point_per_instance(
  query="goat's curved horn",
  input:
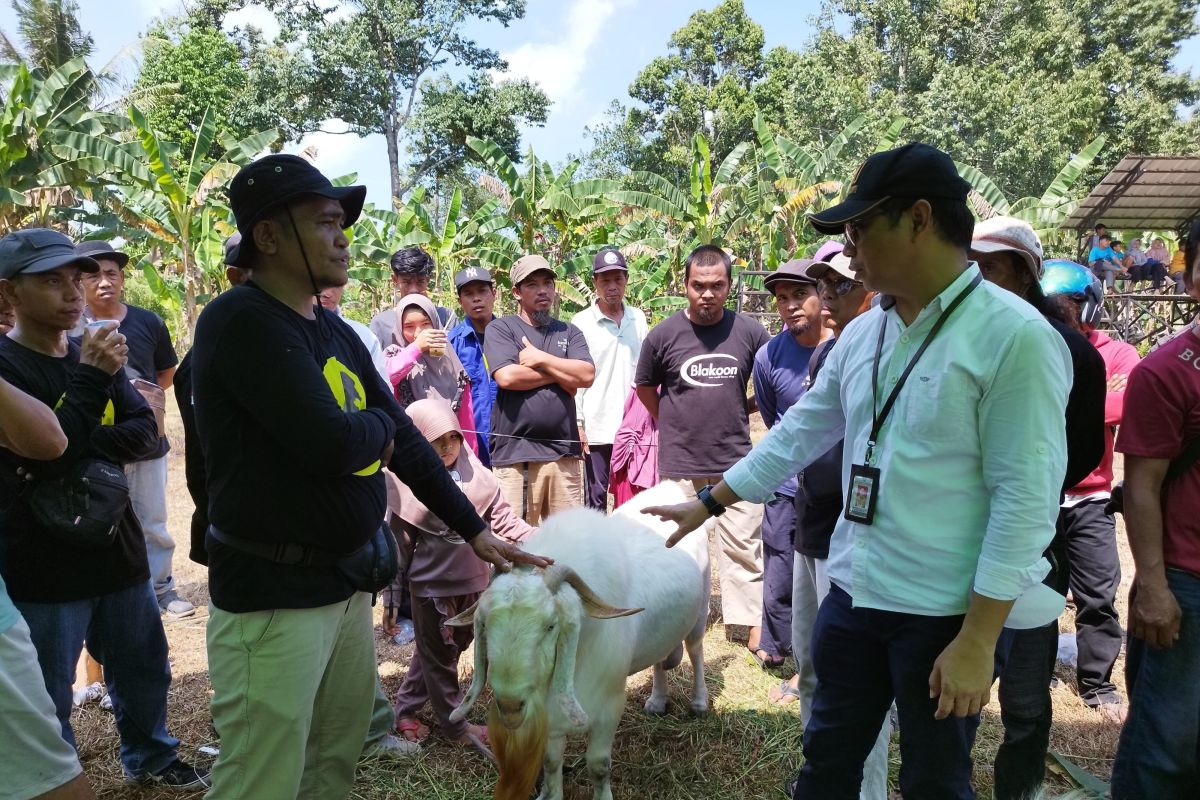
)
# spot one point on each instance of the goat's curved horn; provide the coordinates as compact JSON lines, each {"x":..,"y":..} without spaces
{"x":557,"y":574}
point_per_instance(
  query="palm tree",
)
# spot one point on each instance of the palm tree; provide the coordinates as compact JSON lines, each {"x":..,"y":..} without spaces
{"x":49,"y":35}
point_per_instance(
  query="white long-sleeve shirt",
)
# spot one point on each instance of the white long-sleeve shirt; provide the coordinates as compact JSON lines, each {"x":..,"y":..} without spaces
{"x":971,"y":457}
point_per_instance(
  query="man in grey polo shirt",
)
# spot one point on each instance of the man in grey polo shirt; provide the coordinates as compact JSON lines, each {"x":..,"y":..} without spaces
{"x":614,"y":332}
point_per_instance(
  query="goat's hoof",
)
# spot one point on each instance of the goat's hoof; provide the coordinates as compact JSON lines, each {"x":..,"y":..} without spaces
{"x":700,"y":710}
{"x":655,"y":708}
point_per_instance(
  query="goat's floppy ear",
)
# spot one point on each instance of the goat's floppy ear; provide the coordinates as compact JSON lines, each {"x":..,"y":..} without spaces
{"x":479,"y":678}
{"x":464,"y":619}
{"x":562,"y":682}
{"x":558,"y":574}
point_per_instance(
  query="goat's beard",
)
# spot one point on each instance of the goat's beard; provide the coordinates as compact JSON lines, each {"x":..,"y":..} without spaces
{"x":519,"y":751}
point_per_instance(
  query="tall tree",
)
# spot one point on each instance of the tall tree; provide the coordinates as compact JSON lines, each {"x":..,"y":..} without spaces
{"x":379,"y":68}
{"x":49,"y":35}
{"x":191,"y":68}
{"x":702,"y":86}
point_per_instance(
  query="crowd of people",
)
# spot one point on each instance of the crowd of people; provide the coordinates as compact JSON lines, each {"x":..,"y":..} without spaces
{"x":937,"y":476}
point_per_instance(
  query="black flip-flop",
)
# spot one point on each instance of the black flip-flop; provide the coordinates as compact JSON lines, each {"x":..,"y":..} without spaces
{"x":764,"y":663}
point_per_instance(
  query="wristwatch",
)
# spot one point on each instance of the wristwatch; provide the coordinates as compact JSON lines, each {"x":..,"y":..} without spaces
{"x":715,"y":509}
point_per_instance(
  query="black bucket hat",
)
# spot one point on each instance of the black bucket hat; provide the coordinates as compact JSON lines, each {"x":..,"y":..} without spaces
{"x":271,"y":180}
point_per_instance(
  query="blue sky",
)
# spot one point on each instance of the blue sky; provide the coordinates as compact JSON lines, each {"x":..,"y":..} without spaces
{"x":584,"y":53}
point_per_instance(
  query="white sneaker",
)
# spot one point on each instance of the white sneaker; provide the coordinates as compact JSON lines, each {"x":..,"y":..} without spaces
{"x":392,"y":747}
{"x":175,"y":607}
{"x":88,"y":694}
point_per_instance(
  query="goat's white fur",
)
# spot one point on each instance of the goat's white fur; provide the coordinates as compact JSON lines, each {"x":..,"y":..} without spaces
{"x":623,"y":561}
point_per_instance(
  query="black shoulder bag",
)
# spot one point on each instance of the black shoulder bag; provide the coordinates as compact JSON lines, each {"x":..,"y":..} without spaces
{"x":84,"y":505}
{"x":1178,"y":466}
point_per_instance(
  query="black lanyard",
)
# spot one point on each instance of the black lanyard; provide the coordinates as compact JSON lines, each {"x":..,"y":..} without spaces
{"x":878,"y":417}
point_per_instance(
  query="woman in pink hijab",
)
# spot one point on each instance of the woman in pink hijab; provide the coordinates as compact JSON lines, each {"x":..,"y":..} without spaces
{"x":445,"y":576}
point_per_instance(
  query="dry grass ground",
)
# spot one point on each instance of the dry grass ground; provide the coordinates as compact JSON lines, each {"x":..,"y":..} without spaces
{"x":743,"y":750}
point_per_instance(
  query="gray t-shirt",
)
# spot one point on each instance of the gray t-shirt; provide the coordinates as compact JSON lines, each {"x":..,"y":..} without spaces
{"x":703,"y":371}
{"x":537,"y":424}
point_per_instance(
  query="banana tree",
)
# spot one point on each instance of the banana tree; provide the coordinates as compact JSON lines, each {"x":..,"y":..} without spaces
{"x":1046,"y":212}
{"x":175,"y":199}
{"x":52,"y":146}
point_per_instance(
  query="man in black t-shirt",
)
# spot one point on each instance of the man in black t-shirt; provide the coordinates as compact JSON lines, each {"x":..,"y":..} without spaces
{"x":66,"y":591}
{"x":692,"y":377}
{"x":151,"y":366}
{"x":296,"y":425}
{"x":538,"y":363}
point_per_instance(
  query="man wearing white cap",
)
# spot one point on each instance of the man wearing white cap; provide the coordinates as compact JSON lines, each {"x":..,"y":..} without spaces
{"x":614,"y":331}
{"x":1009,"y":255}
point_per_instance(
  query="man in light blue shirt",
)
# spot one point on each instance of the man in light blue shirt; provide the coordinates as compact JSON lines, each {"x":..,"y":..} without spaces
{"x":950,"y":396}
{"x":614,"y":331}
{"x":1104,"y":261}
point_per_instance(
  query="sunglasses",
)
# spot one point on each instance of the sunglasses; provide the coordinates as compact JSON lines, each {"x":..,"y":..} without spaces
{"x":840,"y":288}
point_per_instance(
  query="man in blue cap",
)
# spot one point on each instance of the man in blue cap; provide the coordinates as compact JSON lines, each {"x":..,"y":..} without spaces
{"x":950,"y":396}
{"x":65,"y":589}
{"x":296,"y":426}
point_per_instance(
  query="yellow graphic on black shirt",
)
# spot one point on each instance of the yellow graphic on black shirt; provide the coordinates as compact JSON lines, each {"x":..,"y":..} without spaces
{"x":109,"y":417}
{"x":348,"y":392}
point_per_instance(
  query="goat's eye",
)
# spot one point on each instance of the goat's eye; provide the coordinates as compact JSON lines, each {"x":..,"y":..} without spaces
{"x":550,"y":627}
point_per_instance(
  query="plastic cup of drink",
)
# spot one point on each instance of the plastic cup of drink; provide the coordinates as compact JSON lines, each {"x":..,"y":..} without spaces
{"x":97,"y":324}
{"x":437,"y":350}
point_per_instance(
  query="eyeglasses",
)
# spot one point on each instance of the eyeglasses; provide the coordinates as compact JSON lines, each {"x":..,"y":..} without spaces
{"x":855,"y":227}
{"x":840,"y":287}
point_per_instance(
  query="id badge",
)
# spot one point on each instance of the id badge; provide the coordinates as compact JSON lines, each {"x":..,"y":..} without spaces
{"x":862,"y":494}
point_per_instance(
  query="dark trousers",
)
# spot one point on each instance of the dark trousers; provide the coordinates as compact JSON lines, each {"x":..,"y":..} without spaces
{"x":778,"y":539}
{"x":1095,"y":575}
{"x":433,"y":671}
{"x":864,"y":659}
{"x":1025,"y":663}
{"x":596,"y":462}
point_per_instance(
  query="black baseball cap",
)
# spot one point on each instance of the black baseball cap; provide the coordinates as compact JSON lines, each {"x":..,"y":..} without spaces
{"x":97,"y":249}
{"x":471,"y":275}
{"x":915,"y":170}
{"x":608,"y":260}
{"x":34,"y":250}
{"x":271,"y":180}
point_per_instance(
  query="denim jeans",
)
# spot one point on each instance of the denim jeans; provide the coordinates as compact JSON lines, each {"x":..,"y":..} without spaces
{"x":1157,"y":756}
{"x":864,"y":659}
{"x":148,"y":496}
{"x":124,"y":632}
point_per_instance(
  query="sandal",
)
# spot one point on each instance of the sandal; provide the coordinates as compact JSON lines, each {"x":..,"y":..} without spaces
{"x":476,"y":737}
{"x":412,"y":729}
{"x":783,"y":694}
{"x":765,"y":661}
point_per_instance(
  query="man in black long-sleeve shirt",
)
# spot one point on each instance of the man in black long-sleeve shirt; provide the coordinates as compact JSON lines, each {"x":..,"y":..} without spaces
{"x":296,"y":425}
{"x":64,"y":591}
{"x":1009,"y":254}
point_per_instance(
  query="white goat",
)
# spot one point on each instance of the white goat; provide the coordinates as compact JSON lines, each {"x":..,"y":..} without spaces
{"x":557,"y":656}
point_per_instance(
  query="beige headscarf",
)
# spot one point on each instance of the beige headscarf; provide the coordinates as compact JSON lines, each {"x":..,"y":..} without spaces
{"x":431,"y":376}
{"x":434,"y":418}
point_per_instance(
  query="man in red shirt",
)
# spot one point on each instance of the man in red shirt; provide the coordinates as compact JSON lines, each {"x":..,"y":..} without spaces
{"x":1157,"y":755}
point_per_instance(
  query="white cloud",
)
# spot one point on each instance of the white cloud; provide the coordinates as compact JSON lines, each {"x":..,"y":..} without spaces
{"x":339,"y":153}
{"x":557,"y":65}
{"x":256,"y":16}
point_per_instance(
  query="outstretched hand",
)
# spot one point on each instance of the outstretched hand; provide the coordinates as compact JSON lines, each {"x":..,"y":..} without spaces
{"x":504,"y":554}
{"x":688,"y":516}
